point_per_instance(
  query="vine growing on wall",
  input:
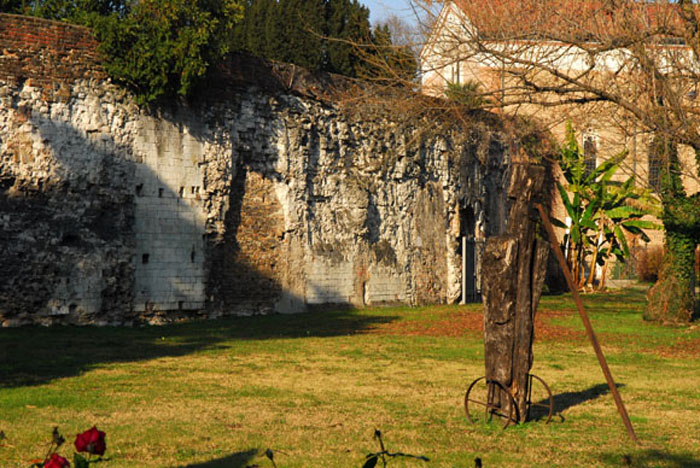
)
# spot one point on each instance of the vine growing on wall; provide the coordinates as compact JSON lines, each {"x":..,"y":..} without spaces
{"x":672,"y":299}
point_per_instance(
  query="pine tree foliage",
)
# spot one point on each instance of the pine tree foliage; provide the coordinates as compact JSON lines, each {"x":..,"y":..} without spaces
{"x":387,"y":62}
{"x":321,"y":35}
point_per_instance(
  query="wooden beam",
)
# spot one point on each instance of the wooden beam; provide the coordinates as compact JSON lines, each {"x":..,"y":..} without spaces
{"x":587,"y":323}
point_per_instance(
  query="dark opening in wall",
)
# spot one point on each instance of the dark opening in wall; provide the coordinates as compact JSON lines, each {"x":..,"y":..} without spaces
{"x":180,"y":305}
{"x":160,"y":193}
{"x":139,"y":190}
{"x":181,"y":192}
{"x":192,"y":254}
{"x":145,"y":258}
{"x":467,"y":221}
{"x":468,"y":247}
{"x":70,"y":239}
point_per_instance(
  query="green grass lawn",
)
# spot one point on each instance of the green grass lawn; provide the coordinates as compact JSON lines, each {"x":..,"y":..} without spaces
{"x":314,"y":387}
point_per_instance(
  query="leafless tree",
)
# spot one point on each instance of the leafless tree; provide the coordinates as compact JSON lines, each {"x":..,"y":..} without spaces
{"x":631,"y":66}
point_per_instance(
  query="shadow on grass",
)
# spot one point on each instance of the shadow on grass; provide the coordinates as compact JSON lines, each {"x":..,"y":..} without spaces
{"x":651,"y":458}
{"x":566,"y":400}
{"x":34,"y":356}
{"x":237,"y":460}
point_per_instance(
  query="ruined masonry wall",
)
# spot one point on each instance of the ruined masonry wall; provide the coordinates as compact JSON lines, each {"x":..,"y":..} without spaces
{"x":257,"y":199}
{"x":102,"y":216}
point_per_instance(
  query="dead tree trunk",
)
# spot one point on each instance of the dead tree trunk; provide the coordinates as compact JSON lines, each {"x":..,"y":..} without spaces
{"x":513,"y":269}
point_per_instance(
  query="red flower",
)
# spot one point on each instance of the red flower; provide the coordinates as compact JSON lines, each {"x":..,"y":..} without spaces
{"x":91,"y":441}
{"x":56,"y":461}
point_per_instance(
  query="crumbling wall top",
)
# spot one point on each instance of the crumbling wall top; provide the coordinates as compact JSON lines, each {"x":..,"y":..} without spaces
{"x":46,"y":52}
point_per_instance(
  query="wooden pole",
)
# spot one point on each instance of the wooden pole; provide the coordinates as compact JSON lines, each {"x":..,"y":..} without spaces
{"x":587,"y":323}
{"x":464,"y":270}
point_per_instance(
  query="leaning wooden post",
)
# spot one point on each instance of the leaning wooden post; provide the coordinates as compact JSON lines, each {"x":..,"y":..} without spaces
{"x":587,"y":323}
{"x":513,"y":268}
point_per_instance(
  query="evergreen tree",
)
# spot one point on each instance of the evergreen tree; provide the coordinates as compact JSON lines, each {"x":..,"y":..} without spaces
{"x":306,"y":27}
{"x":261,"y":13}
{"x":348,"y":21}
{"x":302,"y":32}
{"x":338,"y":54}
{"x":273,"y":33}
{"x":239,"y":39}
{"x":390,"y":63}
{"x":11,"y":6}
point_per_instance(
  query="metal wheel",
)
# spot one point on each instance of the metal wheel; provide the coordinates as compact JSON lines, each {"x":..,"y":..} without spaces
{"x":488,"y":398}
{"x":540,"y":402}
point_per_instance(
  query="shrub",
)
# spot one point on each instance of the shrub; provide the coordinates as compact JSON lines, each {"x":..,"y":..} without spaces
{"x":470,"y":95}
{"x":648,"y":263}
{"x":163,"y":48}
{"x":158,"y":48}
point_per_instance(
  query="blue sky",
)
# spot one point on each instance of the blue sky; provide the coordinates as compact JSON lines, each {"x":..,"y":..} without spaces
{"x":380,"y":9}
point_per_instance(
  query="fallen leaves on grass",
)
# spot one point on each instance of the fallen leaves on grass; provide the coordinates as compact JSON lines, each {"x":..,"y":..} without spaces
{"x":469,"y":323}
{"x":457,"y":323}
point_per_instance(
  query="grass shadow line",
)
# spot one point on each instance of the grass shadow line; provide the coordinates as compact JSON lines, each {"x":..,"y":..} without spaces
{"x":651,"y":458}
{"x":28,"y":356}
{"x":235,"y":460}
{"x":566,"y":400}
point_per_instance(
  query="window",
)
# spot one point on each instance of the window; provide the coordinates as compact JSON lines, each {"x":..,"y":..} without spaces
{"x":590,"y":152}
{"x":655,"y":165}
{"x":656,"y":162}
{"x":455,"y":73}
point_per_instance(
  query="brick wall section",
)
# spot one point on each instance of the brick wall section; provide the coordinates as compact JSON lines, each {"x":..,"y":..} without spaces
{"x":46,"y":52}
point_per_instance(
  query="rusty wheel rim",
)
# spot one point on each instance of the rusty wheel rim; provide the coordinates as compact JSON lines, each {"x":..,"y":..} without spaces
{"x":545,"y":404}
{"x":477,"y":398}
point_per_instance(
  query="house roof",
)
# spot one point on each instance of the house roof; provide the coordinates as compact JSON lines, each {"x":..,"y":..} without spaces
{"x":580,"y":19}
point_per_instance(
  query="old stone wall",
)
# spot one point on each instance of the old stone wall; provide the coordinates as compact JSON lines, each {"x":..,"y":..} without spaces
{"x":262,"y":196}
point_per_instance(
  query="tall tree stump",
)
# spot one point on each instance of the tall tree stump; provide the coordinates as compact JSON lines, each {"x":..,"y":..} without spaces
{"x":513,"y":268}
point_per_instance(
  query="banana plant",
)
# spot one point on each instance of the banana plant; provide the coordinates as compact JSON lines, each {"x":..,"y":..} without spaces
{"x":601,"y":212}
